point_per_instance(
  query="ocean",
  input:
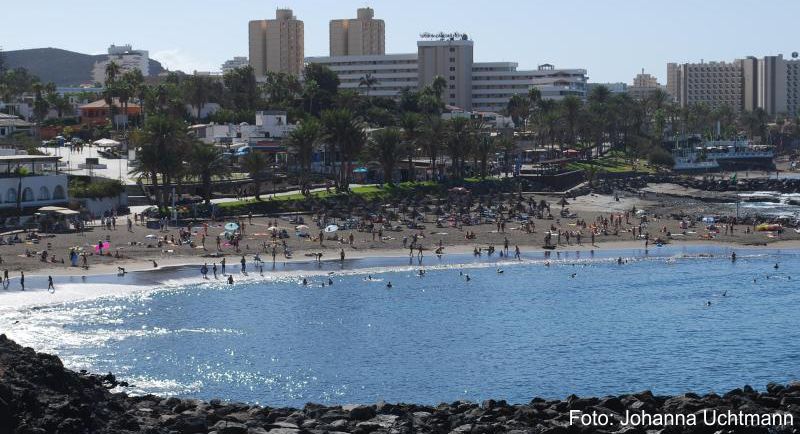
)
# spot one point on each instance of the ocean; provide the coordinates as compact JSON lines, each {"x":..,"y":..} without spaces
{"x":577,"y":323}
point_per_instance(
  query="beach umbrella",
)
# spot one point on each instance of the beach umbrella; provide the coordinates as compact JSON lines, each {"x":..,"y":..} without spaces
{"x":106,"y":143}
{"x":273,"y":228}
{"x":331,"y":229}
{"x":303,"y":229}
{"x":231,"y":227}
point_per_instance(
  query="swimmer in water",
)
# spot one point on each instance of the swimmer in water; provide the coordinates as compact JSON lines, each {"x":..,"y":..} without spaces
{"x":500,"y":271}
{"x":573,"y":275}
{"x":121,"y":270}
{"x":305,"y":282}
{"x":708,"y":303}
{"x":725,"y":294}
{"x":389,"y":285}
{"x":230,"y":279}
{"x":733,"y":256}
{"x":155,"y":264}
{"x":776,"y":266}
{"x":330,"y":282}
{"x":468,"y":278}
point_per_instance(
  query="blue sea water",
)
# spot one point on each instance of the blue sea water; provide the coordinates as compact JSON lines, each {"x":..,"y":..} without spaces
{"x":548,"y":327}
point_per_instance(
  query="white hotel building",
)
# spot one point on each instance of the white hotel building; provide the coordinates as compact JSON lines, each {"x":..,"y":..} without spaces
{"x":487,"y":87}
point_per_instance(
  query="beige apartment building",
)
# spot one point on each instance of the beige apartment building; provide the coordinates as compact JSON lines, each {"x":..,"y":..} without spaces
{"x":362,"y":36}
{"x":644,"y":85}
{"x":715,"y":84}
{"x":277,"y":45}
{"x":770,"y":83}
{"x":451,"y":59}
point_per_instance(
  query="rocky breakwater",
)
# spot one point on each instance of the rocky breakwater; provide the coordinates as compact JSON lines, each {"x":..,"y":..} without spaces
{"x":38,"y":395}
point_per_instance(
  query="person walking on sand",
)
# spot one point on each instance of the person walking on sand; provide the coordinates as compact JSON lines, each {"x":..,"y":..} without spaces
{"x":244,"y":265}
{"x":50,"y":287}
{"x":517,"y":254}
{"x":223,"y":266}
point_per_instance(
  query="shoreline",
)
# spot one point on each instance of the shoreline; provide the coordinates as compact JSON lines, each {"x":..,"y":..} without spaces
{"x":171,"y":263}
{"x":104,"y":281}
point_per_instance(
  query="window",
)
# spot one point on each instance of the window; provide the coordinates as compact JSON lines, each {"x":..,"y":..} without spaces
{"x":11,"y":195}
{"x":44,"y":193}
{"x":58,"y":193}
{"x":27,"y":194}
{"x":452,"y":68}
{"x":453,"y":59}
{"x":452,"y":50}
{"x":452,"y":95}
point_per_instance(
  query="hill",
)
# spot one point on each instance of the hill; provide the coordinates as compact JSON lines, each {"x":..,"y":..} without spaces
{"x":62,"y":67}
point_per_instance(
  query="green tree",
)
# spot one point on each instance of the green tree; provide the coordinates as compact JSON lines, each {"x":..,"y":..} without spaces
{"x":368,"y":81}
{"x":386,"y":146}
{"x":196,"y":92}
{"x":348,"y":137}
{"x":519,"y":109}
{"x":410,"y":123}
{"x":255,"y":164}
{"x":242,"y":88}
{"x":206,"y":162}
{"x":302,"y":142}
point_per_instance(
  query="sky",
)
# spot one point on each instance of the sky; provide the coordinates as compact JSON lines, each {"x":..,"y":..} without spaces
{"x":613,"y":39}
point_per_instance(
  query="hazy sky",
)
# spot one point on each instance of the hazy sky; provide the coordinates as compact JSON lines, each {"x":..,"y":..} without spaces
{"x":612,"y":39}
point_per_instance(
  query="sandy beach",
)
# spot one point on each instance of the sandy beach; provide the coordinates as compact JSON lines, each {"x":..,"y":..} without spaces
{"x":139,"y":248}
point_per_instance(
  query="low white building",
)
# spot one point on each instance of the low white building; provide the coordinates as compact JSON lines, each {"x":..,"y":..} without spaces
{"x":31,"y":181}
{"x":235,"y":63}
{"x":10,"y":124}
{"x":268,"y":125}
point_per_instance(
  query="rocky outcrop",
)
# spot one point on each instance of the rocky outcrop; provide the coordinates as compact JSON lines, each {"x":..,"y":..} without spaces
{"x":37,"y":395}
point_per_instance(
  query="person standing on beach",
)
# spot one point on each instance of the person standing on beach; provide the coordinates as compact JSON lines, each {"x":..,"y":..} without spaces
{"x":517,"y":254}
{"x":22,"y":279}
{"x":244,"y":265}
{"x":214,"y":269}
{"x":341,"y":255}
{"x":5,"y":278}
{"x":223,"y":266}
{"x":50,"y":286}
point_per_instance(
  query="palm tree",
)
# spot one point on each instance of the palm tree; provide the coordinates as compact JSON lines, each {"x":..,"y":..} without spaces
{"x":255,"y":164}
{"x":302,"y":142}
{"x":368,"y":81}
{"x":112,"y":71}
{"x":410,"y":123}
{"x":206,"y":161}
{"x":385,"y":146}
{"x":161,"y":146}
{"x":438,"y":85}
{"x":507,"y":145}
{"x":433,"y":133}
{"x":457,"y":143}
{"x":571,"y":107}
{"x":20,"y":173}
{"x":60,"y":103}
{"x":347,"y":136}
{"x":485,"y":147}
{"x":519,"y":109}
{"x":196,"y":91}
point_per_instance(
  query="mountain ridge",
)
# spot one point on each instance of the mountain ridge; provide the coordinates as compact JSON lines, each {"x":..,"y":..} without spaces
{"x":62,"y":67}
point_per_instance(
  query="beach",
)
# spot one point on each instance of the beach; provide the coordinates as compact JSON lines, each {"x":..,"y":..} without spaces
{"x":141,"y":248}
